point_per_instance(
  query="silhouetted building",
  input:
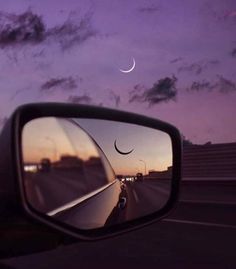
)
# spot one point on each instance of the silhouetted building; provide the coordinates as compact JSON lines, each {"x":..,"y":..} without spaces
{"x":69,"y":162}
{"x":209,"y":161}
{"x":94,"y":162}
{"x":166,"y":174}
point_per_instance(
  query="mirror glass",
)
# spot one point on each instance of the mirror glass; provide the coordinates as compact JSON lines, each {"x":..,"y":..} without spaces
{"x":91,"y":173}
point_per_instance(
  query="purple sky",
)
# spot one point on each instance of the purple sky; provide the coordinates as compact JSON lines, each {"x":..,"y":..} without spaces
{"x":193,"y":41}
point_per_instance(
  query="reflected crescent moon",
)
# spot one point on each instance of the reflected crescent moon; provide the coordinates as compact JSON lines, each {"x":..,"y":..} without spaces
{"x":122,"y":152}
{"x":129,"y":70}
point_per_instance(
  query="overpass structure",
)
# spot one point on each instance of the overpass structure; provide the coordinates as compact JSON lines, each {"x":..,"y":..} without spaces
{"x":209,"y":162}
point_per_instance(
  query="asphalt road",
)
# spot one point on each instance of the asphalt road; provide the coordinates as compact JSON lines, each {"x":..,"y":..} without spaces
{"x":199,"y":233}
{"x":164,"y":244}
{"x":47,"y":191}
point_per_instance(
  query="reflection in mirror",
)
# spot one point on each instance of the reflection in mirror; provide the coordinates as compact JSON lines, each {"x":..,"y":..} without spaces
{"x":91,"y":173}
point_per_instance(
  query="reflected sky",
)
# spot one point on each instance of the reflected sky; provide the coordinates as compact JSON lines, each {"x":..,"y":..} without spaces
{"x":52,"y":138}
{"x":151,"y":148}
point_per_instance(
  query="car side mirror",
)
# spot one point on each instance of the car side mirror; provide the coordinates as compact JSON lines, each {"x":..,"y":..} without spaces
{"x":89,"y":172}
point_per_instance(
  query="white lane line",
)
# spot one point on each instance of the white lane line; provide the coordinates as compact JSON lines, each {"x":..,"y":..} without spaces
{"x":79,"y":200}
{"x":39,"y":195}
{"x":135,"y":196}
{"x":207,"y":202}
{"x":201,"y":223}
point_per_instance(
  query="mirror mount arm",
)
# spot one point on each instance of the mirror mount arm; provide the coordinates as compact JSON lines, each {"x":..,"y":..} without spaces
{"x":23,"y":237}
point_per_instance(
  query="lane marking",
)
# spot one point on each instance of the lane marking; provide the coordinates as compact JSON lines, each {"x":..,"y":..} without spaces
{"x":135,"y":196}
{"x":207,"y":202}
{"x":39,"y":194}
{"x":201,"y":223}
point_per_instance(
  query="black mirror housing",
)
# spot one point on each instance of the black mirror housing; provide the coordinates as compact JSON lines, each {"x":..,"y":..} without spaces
{"x":14,"y":206}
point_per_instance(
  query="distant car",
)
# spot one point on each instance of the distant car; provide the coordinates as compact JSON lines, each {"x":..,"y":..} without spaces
{"x":120,"y":177}
{"x":139,"y":177}
{"x":45,"y":165}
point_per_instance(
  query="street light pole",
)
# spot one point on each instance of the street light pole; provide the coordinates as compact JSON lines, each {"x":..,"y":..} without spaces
{"x":54,"y":145}
{"x":144,"y":166}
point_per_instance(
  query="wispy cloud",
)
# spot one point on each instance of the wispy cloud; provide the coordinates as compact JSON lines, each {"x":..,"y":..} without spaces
{"x":198,"y":67}
{"x":163,"y":90}
{"x":29,"y":28}
{"x":71,"y":33}
{"x":202,"y":85}
{"x":64,"y":83}
{"x":80,"y":99}
{"x":193,"y":68}
{"x":115,"y":98}
{"x":226,"y":85}
{"x":221,"y":85}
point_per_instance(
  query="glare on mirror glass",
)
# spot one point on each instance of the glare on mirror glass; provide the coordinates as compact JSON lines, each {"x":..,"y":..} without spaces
{"x":91,"y":173}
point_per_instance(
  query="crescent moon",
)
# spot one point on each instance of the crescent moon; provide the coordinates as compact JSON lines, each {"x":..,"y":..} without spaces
{"x":129,"y":70}
{"x":122,"y":152}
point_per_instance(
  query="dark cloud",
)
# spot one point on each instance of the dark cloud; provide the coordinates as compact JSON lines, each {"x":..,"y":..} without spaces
{"x":163,"y":90}
{"x":176,"y":60}
{"x":20,"y":29}
{"x":80,"y":99}
{"x":66,"y":83}
{"x":233,"y":53}
{"x":226,"y":85}
{"x":71,"y":33}
{"x":115,"y":98}
{"x":197,"y":68}
{"x":29,"y":28}
{"x":222,"y":85}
